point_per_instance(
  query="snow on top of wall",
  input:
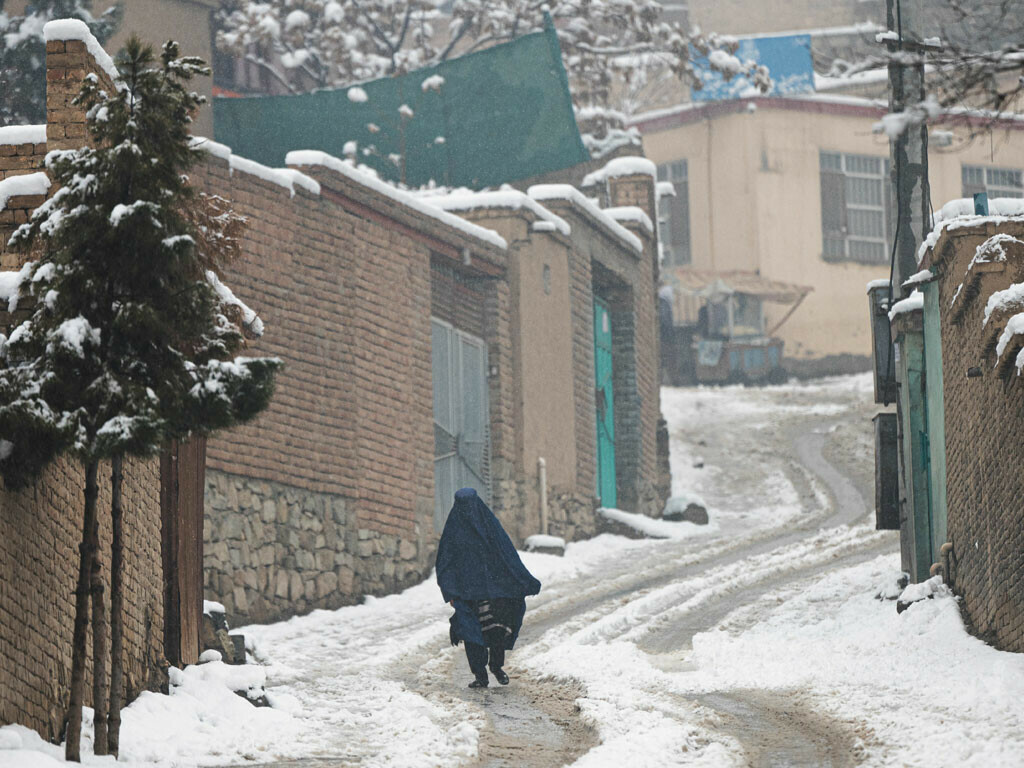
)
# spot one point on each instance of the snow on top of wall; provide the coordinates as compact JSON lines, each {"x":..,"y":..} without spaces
{"x":73,"y":29}
{"x":1000,"y":301}
{"x":1014,"y":327}
{"x":288,"y":178}
{"x":924,"y":276}
{"x":347,"y":169}
{"x":621,"y":166}
{"x":503,"y":198}
{"x":215,"y":148}
{"x":10,"y":285}
{"x":26,"y":184}
{"x":23,"y":134}
{"x":957,"y":214}
{"x":882,"y":282}
{"x":570,"y":193}
{"x":665,"y":189}
{"x":913,"y":303}
{"x":990,"y":251}
{"x":631,"y":213}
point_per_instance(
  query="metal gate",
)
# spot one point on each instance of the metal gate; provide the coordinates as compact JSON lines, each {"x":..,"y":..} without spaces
{"x":462,"y":434}
{"x":605,"y":402}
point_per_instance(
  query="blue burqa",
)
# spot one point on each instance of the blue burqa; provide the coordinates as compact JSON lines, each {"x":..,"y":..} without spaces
{"x":477,"y":561}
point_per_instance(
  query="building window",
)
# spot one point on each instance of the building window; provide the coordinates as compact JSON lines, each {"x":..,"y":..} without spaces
{"x":997,"y":182}
{"x":674,"y":215}
{"x":856,"y":208}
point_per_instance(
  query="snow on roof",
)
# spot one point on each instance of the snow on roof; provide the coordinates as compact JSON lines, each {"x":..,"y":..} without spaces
{"x":23,"y":134}
{"x":571,"y":194}
{"x":73,"y":29}
{"x":347,"y":169}
{"x":26,"y":184}
{"x":631,"y":213}
{"x":913,"y":303}
{"x":504,"y":198}
{"x":882,"y":282}
{"x":621,"y":166}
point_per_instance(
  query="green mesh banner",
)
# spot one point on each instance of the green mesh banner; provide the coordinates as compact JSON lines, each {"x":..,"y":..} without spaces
{"x":502,"y":114}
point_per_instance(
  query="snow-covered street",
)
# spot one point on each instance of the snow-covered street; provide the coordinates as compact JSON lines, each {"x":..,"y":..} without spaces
{"x":758,"y":639}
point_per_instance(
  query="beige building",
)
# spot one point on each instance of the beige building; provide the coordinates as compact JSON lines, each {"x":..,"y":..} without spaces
{"x":797,"y":189}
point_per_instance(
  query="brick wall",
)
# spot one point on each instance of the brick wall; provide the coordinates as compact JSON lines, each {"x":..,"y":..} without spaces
{"x":23,"y":157}
{"x":984,"y":418}
{"x":40,"y":528}
{"x":328,"y":495}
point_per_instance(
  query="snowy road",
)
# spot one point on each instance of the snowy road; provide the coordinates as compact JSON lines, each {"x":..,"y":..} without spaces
{"x":753,"y":641}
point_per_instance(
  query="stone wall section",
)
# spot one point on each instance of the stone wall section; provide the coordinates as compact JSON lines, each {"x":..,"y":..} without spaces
{"x":21,"y":158}
{"x":984,"y":418}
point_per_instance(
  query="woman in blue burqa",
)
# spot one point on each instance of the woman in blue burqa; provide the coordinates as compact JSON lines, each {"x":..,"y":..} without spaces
{"x":482,"y":577}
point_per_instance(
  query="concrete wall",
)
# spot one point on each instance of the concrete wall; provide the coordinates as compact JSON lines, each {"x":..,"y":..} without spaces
{"x":755,"y":203}
{"x":983,"y":420}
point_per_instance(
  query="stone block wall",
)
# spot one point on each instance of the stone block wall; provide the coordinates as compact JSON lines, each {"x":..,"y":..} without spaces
{"x":984,"y":419}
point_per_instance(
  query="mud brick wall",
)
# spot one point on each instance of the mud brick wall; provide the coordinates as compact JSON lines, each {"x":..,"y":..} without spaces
{"x":984,"y":420}
{"x":40,"y":528}
{"x":328,"y":495}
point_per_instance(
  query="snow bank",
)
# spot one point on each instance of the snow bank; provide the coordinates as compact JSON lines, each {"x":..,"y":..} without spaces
{"x":622,"y":166}
{"x":632,"y":214}
{"x":658,"y":529}
{"x":569,"y":193}
{"x":346,"y":168}
{"x":23,"y":134}
{"x":26,"y":184}
{"x":542,"y":541}
{"x":504,"y":198}
{"x":73,"y":29}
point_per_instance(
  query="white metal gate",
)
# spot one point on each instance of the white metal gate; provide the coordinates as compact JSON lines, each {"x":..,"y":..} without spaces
{"x":462,"y":444}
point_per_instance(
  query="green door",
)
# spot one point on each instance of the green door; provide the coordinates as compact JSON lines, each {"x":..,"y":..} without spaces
{"x":605,"y":402}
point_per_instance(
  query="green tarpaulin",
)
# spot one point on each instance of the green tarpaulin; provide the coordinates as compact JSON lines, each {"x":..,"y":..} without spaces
{"x":502,"y":114}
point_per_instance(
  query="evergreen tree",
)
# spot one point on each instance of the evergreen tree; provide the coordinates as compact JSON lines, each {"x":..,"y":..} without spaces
{"x":23,"y":53}
{"x":131,"y":341}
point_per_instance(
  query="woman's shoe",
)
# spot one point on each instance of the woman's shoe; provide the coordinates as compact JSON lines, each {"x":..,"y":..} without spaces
{"x":478,"y":683}
{"x":500,"y":676}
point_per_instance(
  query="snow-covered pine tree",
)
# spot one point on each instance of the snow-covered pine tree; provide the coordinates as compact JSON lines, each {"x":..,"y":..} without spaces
{"x":607,"y":45}
{"x":23,"y":53}
{"x":131,"y":340}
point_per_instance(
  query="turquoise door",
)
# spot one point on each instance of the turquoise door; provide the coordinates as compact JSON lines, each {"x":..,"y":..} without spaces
{"x":605,"y":402}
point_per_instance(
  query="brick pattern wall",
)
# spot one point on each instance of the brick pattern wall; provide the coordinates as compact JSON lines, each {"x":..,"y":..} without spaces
{"x":583,"y":369}
{"x":40,"y":528}
{"x":984,"y":418}
{"x":18,"y":159}
{"x":346,"y":293}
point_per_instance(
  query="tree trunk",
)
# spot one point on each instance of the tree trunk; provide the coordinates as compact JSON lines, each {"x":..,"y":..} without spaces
{"x":116,"y":609}
{"x":99,"y":644}
{"x":72,"y":747}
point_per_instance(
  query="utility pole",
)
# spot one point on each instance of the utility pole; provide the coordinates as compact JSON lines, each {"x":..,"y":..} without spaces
{"x":909,"y":150}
